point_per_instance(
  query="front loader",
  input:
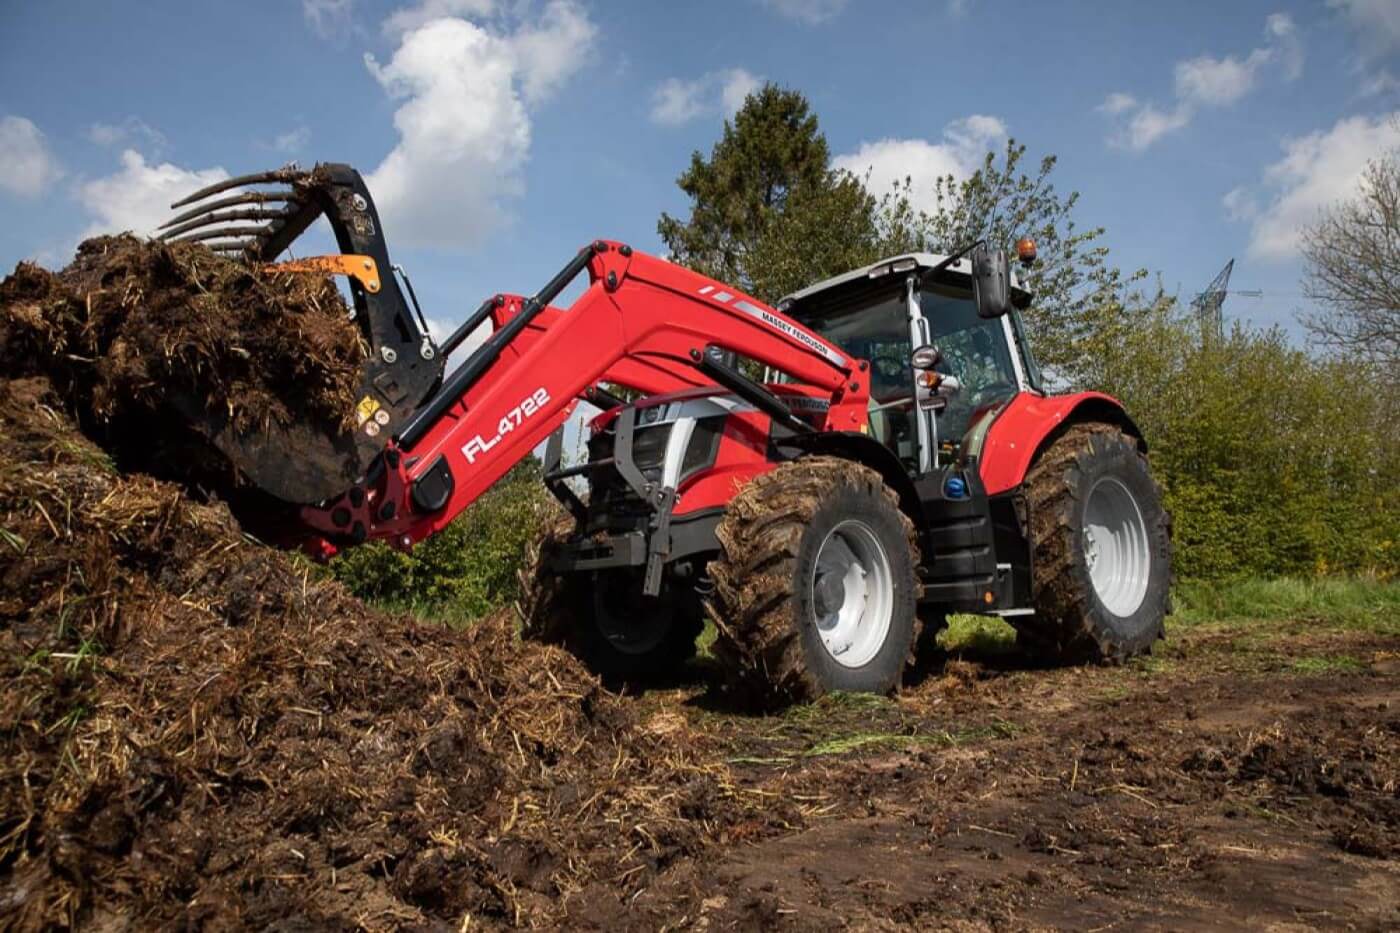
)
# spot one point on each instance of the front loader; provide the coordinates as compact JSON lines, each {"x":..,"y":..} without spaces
{"x":900,"y":460}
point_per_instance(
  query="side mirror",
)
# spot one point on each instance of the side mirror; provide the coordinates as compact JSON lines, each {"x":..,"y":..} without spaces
{"x":991,"y":282}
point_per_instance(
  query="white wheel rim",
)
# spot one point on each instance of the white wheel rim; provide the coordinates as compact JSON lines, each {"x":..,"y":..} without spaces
{"x":1116,"y":548}
{"x":852,"y":590}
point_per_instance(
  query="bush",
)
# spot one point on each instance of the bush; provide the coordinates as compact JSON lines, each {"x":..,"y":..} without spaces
{"x":1273,"y":461}
{"x":467,"y":569}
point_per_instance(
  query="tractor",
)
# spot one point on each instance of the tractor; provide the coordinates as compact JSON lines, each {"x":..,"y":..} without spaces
{"x":823,"y":480}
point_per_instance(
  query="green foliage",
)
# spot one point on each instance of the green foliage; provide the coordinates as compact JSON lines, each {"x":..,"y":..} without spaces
{"x":1273,"y":462}
{"x":466,"y":570}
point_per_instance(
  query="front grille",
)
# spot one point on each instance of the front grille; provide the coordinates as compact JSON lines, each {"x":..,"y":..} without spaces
{"x":613,"y":505}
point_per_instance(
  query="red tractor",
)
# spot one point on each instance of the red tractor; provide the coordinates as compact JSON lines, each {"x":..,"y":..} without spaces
{"x":899,"y":460}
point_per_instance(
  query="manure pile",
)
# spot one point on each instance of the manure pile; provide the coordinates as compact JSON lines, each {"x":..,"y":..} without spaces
{"x":197,"y":730}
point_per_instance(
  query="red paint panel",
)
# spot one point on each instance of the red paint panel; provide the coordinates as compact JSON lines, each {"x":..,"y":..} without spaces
{"x":1016,"y":435}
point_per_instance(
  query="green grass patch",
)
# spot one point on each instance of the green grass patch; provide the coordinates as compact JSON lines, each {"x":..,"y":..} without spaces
{"x":977,"y":635}
{"x":1357,"y":604}
{"x":840,"y":745}
{"x":849,"y":743}
{"x":1326,"y":664}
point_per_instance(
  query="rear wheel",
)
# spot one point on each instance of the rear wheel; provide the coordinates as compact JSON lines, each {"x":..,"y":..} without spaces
{"x":814,"y":584}
{"x":603,"y":618}
{"x":1101,"y":548}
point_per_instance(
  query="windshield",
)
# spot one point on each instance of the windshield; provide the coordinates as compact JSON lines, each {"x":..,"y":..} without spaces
{"x":975,"y":351}
{"x":876,"y":331}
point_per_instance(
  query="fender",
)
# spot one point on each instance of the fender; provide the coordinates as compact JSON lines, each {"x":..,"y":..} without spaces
{"x":864,"y":449}
{"x":1030,"y":422}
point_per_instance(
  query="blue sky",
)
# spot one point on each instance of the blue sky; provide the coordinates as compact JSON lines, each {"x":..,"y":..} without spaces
{"x":503,"y":134}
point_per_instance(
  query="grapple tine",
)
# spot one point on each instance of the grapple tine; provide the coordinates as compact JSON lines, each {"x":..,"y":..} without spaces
{"x":247,"y":197}
{"x":206,"y":220}
{"x":254,"y":219}
{"x":232,"y":246}
{"x":257,"y":233}
{"x":286,"y":175}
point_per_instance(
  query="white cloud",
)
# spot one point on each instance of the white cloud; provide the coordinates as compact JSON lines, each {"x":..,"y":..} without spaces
{"x":138,"y":197}
{"x":1206,"y":81}
{"x":464,"y":122}
{"x":131,"y":131}
{"x":1316,"y":172}
{"x":292,"y":142}
{"x":810,"y":12}
{"x":676,"y":101}
{"x":1240,"y":204}
{"x":738,"y":85}
{"x":1150,"y":124}
{"x":883,"y":163}
{"x":1117,"y":103}
{"x":548,"y":53}
{"x":329,"y":19}
{"x":1215,"y":82}
{"x":27,"y":167}
{"x":411,"y":18}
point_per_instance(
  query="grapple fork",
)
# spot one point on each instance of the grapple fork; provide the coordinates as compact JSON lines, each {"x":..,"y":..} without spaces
{"x":255,"y":220}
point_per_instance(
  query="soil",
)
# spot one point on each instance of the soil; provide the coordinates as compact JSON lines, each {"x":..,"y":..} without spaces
{"x":142,"y":338}
{"x":198,"y":730}
{"x":1086,"y":798}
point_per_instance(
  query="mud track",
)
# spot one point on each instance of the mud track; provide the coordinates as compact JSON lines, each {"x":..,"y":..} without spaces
{"x":1177,"y":795}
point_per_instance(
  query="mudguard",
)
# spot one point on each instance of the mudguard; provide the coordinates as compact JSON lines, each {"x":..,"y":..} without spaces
{"x":1029,"y":422}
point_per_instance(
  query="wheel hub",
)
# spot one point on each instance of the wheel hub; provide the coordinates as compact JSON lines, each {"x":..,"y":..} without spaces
{"x":830,"y":593}
{"x":852,"y":593}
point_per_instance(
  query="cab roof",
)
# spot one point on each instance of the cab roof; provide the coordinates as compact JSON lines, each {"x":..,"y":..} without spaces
{"x":958,"y":274}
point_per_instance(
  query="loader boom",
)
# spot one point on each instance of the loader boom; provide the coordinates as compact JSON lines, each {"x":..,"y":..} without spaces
{"x":642,"y":322}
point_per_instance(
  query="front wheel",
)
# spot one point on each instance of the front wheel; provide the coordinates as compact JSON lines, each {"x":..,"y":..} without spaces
{"x":1101,"y":548}
{"x":603,"y":619}
{"x":814,"y":586}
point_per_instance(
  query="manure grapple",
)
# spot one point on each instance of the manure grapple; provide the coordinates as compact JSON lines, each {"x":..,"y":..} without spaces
{"x":900,"y":459}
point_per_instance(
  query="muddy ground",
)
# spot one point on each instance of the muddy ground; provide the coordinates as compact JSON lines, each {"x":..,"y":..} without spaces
{"x":1236,"y":779}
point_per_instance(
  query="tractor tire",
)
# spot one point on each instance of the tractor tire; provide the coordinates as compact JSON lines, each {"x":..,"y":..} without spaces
{"x":1100,"y":550}
{"x":595,"y":617}
{"x":814,"y":586}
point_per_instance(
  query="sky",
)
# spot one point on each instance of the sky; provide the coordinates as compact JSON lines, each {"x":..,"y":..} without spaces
{"x":498,"y":136}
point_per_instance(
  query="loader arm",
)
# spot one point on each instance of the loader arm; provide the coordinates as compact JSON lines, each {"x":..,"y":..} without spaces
{"x":642,"y":322}
{"x":647,"y":377}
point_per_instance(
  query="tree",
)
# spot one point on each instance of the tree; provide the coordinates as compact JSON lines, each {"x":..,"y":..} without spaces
{"x":1352,"y":254}
{"x":1083,"y":305}
{"x":767,"y":213}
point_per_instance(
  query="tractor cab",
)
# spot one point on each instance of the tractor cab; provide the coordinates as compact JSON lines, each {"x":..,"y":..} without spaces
{"x":970,"y":359}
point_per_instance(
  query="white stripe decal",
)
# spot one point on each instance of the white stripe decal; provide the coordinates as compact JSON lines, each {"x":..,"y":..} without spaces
{"x":772,"y":320}
{"x":707,"y":289}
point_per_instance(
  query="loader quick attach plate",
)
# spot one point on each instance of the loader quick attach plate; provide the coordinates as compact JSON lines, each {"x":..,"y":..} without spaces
{"x":255,"y":219}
